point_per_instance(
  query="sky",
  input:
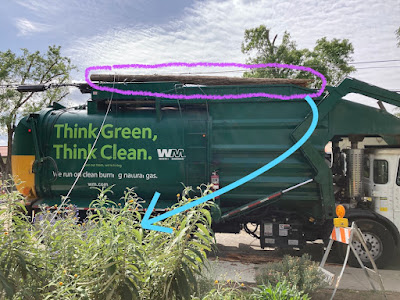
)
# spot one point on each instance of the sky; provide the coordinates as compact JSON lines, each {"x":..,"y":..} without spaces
{"x":148,"y":31}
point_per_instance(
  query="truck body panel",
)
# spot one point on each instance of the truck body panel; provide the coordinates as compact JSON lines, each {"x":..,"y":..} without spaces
{"x":142,"y":140}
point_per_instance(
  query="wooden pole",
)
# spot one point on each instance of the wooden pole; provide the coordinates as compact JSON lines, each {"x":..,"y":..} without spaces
{"x":201,"y":80}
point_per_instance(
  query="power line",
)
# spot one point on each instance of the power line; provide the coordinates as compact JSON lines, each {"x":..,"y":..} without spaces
{"x":246,"y":70}
{"x":383,"y":67}
{"x":352,"y":63}
{"x":373,"y":61}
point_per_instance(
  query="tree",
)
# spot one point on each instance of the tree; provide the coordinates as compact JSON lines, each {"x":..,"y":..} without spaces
{"x":28,"y":68}
{"x":331,"y":58}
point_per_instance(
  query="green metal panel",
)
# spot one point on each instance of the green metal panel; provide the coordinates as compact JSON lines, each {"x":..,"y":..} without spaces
{"x":367,"y":121}
{"x":114,"y":166}
{"x":23,"y":141}
{"x":248,"y":136}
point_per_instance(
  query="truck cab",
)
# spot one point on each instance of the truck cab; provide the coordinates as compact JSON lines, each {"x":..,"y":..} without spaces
{"x":372,"y":193}
{"x":382,"y":182}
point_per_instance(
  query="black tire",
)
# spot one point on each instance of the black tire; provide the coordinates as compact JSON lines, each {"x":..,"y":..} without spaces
{"x":380,"y":243}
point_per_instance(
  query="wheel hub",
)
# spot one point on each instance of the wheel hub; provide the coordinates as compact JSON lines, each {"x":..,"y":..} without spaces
{"x":374,"y":245}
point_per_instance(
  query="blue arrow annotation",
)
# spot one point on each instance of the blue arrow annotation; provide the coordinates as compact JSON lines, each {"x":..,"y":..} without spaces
{"x":148,"y":223}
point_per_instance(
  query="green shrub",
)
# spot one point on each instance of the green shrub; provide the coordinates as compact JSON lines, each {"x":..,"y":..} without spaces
{"x":296,"y":271}
{"x":230,"y":290}
{"x":16,"y":244}
{"x":281,"y":291}
{"x":108,"y":256}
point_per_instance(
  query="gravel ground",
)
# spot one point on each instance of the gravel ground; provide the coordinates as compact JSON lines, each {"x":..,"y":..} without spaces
{"x":244,"y":248}
{"x":239,"y":257}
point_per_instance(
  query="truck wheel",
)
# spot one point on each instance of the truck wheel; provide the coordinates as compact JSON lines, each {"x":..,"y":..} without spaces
{"x":380,"y":243}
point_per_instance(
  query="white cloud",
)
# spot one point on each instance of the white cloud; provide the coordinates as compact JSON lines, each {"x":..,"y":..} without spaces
{"x":103,"y":32}
{"x":27,"y":27}
{"x":40,"y":6}
{"x":213,"y":31}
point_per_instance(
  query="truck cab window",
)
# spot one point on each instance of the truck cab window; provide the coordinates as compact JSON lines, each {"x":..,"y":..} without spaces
{"x":380,"y":171}
{"x":367,"y":167}
{"x":398,"y":175}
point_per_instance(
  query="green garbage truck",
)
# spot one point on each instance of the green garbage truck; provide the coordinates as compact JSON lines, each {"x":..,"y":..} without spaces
{"x":156,"y":144}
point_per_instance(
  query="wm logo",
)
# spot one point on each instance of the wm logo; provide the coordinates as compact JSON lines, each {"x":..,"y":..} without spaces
{"x":173,"y":154}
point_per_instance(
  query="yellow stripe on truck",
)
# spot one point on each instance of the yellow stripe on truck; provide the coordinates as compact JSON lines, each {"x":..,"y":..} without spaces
{"x":23,"y":176}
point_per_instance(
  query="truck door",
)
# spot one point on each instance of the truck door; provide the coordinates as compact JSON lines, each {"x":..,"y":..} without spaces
{"x":367,"y":177}
{"x":396,"y":196}
{"x":383,"y":179}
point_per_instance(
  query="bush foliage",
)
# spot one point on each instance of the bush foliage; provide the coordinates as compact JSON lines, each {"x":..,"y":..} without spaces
{"x":300,"y":272}
{"x":281,"y":291}
{"x":108,"y":256}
